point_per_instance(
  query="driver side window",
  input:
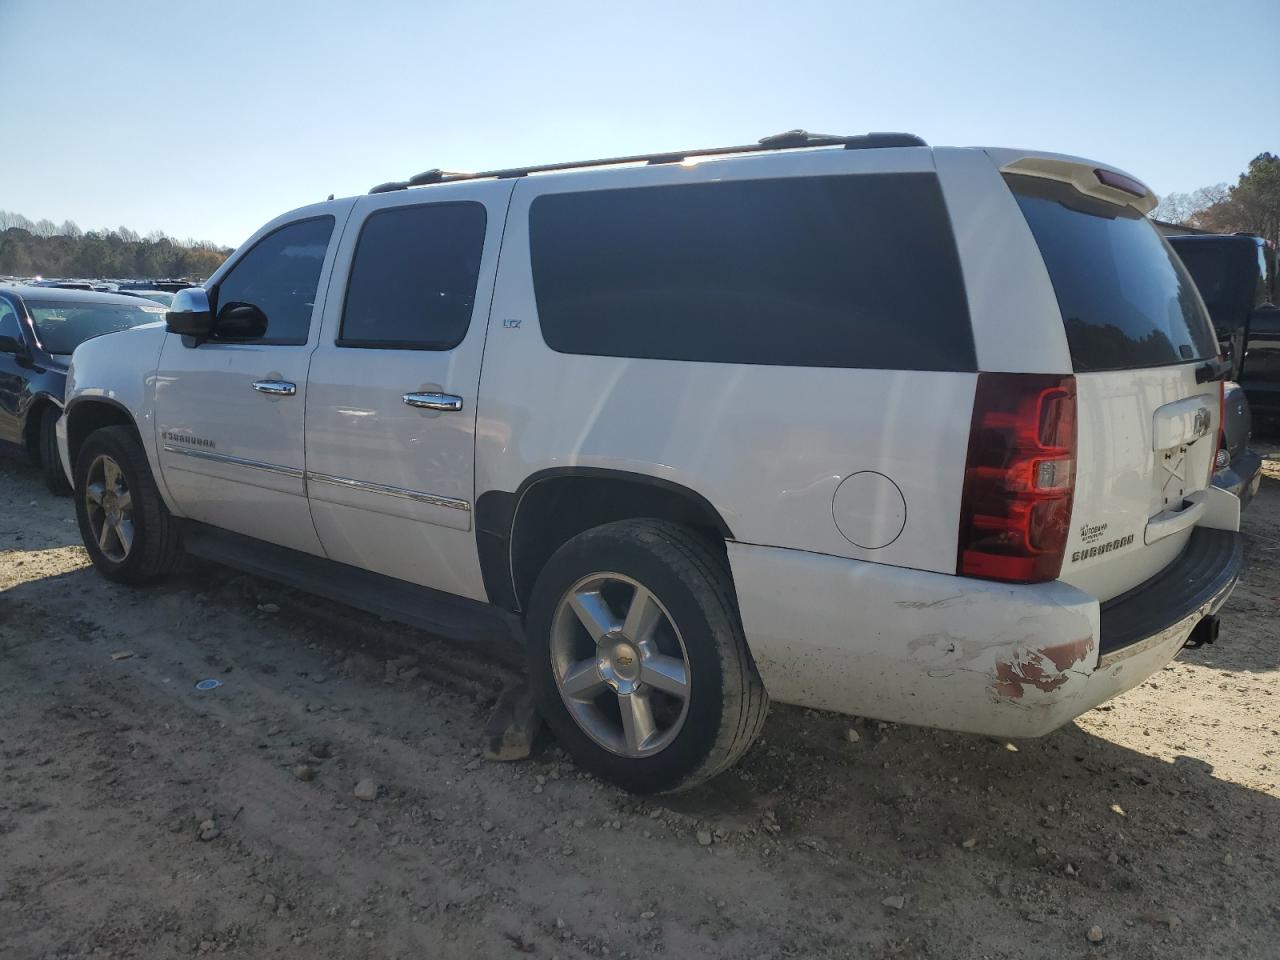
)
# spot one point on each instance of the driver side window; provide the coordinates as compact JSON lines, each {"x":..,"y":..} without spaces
{"x":279,"y":276}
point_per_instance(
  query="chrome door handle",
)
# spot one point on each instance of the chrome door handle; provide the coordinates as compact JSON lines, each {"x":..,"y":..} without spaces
{"x":433,"y":401}
{"x":276,"y":388}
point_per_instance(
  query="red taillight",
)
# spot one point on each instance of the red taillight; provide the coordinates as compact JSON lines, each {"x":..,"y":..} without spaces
{"x":1019,"y":478}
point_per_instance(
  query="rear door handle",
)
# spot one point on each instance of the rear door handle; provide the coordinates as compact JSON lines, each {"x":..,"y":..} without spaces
{"x":275,"y":388}
{"x":433,"y":401}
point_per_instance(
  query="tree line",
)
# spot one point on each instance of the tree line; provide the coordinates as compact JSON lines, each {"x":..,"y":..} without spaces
{"x":1251,"y":206}
{"x":42,"y":248}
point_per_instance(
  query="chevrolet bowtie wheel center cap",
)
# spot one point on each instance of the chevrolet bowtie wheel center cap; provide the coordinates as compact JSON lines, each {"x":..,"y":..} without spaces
{"x":619,"y":663}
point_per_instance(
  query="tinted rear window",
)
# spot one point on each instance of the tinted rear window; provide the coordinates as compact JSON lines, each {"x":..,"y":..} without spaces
{"x":1126,"y":299}
{"x":842,"y":271}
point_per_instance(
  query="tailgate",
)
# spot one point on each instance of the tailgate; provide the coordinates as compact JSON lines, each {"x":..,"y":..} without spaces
{"x":1137,"y":332}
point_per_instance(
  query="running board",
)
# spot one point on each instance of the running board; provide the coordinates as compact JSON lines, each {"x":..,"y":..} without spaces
{"x":483,"y":626}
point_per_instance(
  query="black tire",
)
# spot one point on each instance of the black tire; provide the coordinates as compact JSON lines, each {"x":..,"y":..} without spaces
{"x":727,"y":703}
{"x":156,"y":545}
{"x":55,"y":478}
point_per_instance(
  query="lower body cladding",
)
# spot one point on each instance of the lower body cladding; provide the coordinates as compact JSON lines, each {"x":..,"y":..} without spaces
{"x":1007,"y":660}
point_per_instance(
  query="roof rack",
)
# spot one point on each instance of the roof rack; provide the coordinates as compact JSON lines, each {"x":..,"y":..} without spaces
{"x":791,"y":140}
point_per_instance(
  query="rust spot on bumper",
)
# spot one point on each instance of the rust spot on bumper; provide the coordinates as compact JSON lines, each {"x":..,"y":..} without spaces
{"x":1045,"y":669}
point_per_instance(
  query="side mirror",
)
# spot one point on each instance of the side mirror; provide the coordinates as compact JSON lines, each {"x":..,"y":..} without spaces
{"x":12,"y":345}
{"x":241,"y":321}
{"x":189,"y":314}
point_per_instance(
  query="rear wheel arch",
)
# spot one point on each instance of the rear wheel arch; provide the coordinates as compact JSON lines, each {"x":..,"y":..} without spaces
{"x":517,"y":533}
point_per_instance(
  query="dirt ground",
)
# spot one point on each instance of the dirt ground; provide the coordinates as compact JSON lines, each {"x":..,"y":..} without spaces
{"x":1155,"y":818}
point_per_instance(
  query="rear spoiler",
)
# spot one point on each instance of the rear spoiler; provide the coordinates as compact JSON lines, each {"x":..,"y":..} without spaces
{"x":1091,"y":179}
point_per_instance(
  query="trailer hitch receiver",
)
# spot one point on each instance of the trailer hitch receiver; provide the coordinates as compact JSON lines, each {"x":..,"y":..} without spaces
{"x":1206,"y":631}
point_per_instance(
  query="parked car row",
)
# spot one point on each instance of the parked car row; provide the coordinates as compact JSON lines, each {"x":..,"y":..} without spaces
{"x":159,"y":290}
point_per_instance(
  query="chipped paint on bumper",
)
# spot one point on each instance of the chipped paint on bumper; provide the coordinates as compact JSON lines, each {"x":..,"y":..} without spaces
{"x":910,"y":646}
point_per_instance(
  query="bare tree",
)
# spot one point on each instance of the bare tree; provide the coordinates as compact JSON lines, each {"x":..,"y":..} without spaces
{"x":1183,"y":208}
{"x":1252,"y":205}
{"x":10,"y":220}
{"x":70,"y":228}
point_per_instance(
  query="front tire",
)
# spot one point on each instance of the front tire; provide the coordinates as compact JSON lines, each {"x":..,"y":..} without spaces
{"x":129,"y":533}
{"x":637,"y":657}
{"x":55,"y":478}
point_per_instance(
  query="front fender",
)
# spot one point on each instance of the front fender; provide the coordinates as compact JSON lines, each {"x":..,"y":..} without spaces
{"x":117,"y":370}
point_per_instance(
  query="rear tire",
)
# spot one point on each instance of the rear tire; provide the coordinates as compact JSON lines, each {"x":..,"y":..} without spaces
{"x":55,"y":478}
{"x":637,"y":657}
{"x":129,"y":533}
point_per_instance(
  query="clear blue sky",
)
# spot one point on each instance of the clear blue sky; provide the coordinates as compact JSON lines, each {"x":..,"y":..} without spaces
{"x":206,"y":119}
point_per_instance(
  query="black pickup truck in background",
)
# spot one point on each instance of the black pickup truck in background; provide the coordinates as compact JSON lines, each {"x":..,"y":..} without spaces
{"x":1236,"y":276}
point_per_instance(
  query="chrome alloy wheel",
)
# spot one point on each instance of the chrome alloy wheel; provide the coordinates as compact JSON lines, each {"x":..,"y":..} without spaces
{"x":620,"y":664}
{"x":110,"y":508}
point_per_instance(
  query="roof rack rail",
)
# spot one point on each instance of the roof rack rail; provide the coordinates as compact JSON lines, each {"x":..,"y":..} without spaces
{"x":790,"y":140}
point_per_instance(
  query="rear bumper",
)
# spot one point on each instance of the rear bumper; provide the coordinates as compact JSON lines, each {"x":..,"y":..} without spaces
{"x":923,"y":648}
{"x":1242,"y":477}
{"x":1199,"y":581}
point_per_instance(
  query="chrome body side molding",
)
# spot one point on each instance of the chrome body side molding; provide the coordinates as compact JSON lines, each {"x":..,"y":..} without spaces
{"x":383,"y":488}
{"x":418,"y":496}
{"x":234,"y":461}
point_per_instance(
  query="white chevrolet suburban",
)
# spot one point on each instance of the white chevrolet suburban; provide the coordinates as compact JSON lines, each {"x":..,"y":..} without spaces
{"x":914,"y":433}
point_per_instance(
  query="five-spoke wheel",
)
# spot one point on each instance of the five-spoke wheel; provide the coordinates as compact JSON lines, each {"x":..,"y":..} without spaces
{"x":109,"y":505}
{"x":129,"y":533}
{"x":637,"y":657}
{"x":620,"y":664}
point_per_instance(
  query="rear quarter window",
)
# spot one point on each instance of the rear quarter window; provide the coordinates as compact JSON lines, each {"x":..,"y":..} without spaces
{"x":838,"y":271}
{"x":1126,"y":299}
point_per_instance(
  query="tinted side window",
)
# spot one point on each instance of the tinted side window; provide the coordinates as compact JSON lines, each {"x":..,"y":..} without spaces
{"x":413,"y":277}
{"x":840,"y":271}
{"x":280,"y":276}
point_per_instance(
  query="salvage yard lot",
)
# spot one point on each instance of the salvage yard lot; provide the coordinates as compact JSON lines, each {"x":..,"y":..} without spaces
{"x":1155,"y":818}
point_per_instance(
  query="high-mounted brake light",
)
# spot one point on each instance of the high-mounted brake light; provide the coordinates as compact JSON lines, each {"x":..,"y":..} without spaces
{"x":1019,"y":479}
{"x":1118,"y":181}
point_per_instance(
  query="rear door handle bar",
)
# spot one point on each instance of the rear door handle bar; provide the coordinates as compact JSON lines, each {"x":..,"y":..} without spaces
{"x":275,"y":388}
{"x":433,"y":401}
